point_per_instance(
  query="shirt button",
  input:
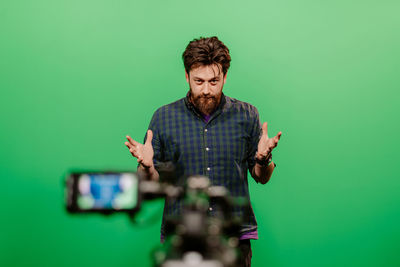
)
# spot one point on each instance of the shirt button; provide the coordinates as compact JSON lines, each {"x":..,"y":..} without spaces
{"x":205,"y":130}
{"x":207,"y":148}
{"x":208,"y":168}
{"x":210,"y":208}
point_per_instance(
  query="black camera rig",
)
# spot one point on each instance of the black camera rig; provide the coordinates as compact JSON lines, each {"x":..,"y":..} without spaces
{"x":194,"y":238}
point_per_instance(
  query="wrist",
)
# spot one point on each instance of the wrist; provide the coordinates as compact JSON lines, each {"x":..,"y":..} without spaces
{"x":147,"y":169}
{"x":263,"y":160}
{"x":262,"y":156}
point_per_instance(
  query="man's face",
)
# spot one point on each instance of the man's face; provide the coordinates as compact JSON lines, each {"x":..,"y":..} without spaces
{"x":206,"y":83}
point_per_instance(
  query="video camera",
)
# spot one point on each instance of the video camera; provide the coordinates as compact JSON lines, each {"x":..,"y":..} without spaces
{"x":193,"y":239}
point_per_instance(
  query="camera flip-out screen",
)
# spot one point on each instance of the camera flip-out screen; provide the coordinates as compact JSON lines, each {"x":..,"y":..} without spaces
{"x":108,"y":192}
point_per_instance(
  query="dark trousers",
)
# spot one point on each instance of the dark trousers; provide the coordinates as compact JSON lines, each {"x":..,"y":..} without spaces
{"x":246,"y":253}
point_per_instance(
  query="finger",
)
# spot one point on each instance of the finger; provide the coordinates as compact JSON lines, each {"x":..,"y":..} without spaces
{"x":265,"y":128}
{"x":279,"y":135}
{"x":133,"y":142}
{"x":132,"y":149}
{"x":149,"y":137}
{"x":276,"y":140}
{"x":129,"y":145}
{"x":135,"y":153}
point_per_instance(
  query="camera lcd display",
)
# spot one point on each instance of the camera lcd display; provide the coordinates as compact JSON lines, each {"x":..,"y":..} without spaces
{"x":99,"y":191}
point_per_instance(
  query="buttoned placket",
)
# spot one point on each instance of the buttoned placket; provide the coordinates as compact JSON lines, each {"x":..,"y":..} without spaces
{"x":206,"y":147}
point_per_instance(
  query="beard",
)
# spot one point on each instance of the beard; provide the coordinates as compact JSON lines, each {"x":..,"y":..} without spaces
{"x":205,"y":104}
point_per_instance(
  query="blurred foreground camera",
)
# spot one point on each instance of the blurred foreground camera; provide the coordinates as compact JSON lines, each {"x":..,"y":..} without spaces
{"x":195,"y":238}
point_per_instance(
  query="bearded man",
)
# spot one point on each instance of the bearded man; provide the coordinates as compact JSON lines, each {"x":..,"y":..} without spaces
{"x":208,"y":133}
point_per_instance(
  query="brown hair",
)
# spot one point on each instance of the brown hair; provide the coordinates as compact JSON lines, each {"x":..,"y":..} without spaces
{"x":206,"y":51}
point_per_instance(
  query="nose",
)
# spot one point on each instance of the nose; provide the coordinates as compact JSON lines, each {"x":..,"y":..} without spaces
{"x":206,"y":89}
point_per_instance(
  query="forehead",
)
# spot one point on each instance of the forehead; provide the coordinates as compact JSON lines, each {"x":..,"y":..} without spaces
{"x":206,"y":71}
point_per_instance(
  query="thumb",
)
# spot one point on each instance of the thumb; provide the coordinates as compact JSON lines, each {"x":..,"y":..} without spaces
{"x":265,"y":129}
{"x":149,"y":137}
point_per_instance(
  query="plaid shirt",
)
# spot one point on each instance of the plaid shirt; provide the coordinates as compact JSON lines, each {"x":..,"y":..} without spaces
{"x":223,"y":148}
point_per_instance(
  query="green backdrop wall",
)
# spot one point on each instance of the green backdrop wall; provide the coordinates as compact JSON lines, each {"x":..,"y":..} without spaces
{"x":77,"y":76}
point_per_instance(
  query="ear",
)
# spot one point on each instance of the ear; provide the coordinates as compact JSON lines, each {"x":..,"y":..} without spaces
{"x":187,"y":76}
{"x":226,"y":74}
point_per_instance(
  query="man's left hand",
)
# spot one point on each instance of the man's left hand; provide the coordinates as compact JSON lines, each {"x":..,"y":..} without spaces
{"x":266,"y":144}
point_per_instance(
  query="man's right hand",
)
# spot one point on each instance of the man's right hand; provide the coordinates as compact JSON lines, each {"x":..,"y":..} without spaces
{"x":143,"y":152}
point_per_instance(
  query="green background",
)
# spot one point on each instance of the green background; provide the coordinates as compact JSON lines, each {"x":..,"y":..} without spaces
{"x":77,"y":76}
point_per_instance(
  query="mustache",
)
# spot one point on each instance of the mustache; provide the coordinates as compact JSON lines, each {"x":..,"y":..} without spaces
{"x":207,"y":97}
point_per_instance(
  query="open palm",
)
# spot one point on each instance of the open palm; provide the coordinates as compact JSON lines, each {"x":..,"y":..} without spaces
{"x":266,"y":144}
{"x":143,"y":152}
